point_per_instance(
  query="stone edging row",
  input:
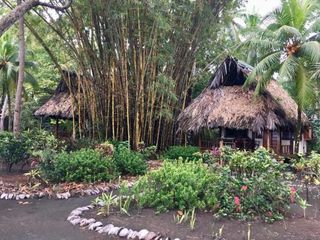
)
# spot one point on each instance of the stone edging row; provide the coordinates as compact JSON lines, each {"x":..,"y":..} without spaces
{"x":20,"y":195}
{"x":75,"y":219}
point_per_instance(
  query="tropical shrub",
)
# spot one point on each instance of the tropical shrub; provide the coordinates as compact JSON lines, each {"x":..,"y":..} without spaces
{"x":85,"y":165}
{"x":250,"y":184}
{"x":149,"y":152}
{"x":184,"y":152}
{"x":40,"y":140}
{"x":237,"y":184}
{"x":308,"y":169}
{"x":128,"y":161}
{"x":177,"y":185}
{"x":13,"y":150}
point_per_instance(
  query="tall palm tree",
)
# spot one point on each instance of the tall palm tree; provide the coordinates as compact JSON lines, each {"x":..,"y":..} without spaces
{"x":9,"y":73}
{"x":292,"y":51}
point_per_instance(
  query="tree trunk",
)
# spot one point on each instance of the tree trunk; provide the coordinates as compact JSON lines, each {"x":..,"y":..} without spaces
{"x":3,"y":112}
{"x":19,"y":91}
{"x":297,"y":135}
{"x":8,"y":20}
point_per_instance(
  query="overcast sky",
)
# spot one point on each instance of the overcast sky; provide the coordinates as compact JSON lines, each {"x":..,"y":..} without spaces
{"x":262,"y":7}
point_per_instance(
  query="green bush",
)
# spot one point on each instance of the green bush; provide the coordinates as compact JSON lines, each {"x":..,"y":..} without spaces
{"x":185,"y":152}
{"x":239,"y":184}
{"x":13,"y":150}
{"x":85,"y":165}
{"x":40,"y":140}
{"x":129,"y":162}
{"x":177,"y":185}
{"x":250,"y":184}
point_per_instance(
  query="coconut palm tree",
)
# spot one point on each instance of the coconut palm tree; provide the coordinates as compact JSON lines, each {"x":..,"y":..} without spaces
{"x":9,"y":65}
{"x":292,"y":51}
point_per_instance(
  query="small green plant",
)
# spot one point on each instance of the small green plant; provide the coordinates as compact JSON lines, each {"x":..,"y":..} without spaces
{"x":128,"y":161}
{"x":105,"y":201}
{"x":217,"y":235}
{"x":193,"y":219}
{"x":185,"y":152}
{"x":304,"y":205}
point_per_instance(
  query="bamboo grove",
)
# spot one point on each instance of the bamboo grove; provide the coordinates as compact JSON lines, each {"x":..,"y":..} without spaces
{"x":136,"y":61}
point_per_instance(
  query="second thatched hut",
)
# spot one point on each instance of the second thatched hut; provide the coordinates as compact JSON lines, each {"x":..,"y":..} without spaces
{"x":244,"y":120}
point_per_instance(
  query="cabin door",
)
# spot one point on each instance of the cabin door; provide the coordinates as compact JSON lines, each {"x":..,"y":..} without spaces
{"x":276,"y":142}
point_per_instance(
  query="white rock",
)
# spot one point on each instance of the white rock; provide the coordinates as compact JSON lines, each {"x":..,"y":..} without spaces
{"x":22,"y":196}
{"x":83,"y":222}
{"x":93,"y":226}
{"x":17,"y":197}
{"x":3,"y":196}
{"x":41,"y":194}
{"x":10,"y":196}
{"x":28,"y":196}
{"x":143,"y":233}
{"x":98,"y":228}
{"x":177,"y":239}
{"x":75,"y":221}
{"x":114,"y":231}
{"x":76,"y":213}
{"x":66,"y":195}
{"x":124,"y":232}
{"x":90,"y":206}
{"x":71,"y":217}
{"x":58,"y":195}
{"x":133,"y":235}
{"x":106,"y":228}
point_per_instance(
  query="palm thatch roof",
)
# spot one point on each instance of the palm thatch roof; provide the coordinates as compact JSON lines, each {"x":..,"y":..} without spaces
{"x":59,"y":106}
{"x":226,"y":103}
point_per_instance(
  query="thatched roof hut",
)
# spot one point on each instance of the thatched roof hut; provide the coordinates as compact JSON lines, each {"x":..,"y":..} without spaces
{"x":226,"y":103}
{"x":59,"y":106}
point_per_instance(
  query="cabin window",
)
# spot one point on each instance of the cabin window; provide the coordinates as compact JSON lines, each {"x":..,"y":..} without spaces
{"x":235,"y":133}
{"x":286,"y":135}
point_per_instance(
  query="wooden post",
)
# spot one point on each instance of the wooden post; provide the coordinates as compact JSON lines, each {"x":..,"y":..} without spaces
{"x":57,"y":127}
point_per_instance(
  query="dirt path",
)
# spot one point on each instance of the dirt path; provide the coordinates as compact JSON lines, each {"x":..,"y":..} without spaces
{"x":42,"y":220}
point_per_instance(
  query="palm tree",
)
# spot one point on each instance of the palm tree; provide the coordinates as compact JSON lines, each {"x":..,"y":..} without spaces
{"x":9,"y":73}
{"x":292,"y":51}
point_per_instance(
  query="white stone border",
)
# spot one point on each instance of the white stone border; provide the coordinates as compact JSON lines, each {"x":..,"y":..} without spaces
{"x":75,"y":219}
{"x":62,"y":195}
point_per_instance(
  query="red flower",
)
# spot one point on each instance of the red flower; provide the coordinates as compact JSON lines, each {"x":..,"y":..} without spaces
{"x":292,"y":194}
{"x":237,"y":203}
{"x":244,"y":188}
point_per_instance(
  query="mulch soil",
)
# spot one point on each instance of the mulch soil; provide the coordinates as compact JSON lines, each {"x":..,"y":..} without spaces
{"x":294,"y":227}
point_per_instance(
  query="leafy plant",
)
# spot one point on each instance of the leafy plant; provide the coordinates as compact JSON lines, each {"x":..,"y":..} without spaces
{"x":185,"y":152}
{"x":304,"y":205}
{"x":128,"y":161}
{"x":105,"y":201}
{"x":13,"y":150}
{"x":177,"y":185}
{"x":249,"y":184}
{"x":86,"y":165}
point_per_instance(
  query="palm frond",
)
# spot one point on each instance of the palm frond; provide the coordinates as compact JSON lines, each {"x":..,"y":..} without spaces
{"x":259,"y":73}
{"x":29,"y":78}
{"x":303,"y":87}
{"x":286,"y":32}
{"x":288,"y":69}
{"x":310,"y":50}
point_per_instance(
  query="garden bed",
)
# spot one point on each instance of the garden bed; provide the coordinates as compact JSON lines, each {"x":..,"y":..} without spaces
{"x":295,"y":226}
{"x":16,"y":186}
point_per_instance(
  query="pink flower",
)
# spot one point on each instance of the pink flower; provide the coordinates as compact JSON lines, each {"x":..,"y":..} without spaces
{"x":237,"y":203}
{"x":244,"y":188}
{"x":34,"y":163}
{"x":292,"y":194}
{"x":215,"y":152}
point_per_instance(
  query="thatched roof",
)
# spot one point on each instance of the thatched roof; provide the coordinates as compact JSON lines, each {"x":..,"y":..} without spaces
{"x":60,"y":104}
{"x":226,"y":103}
